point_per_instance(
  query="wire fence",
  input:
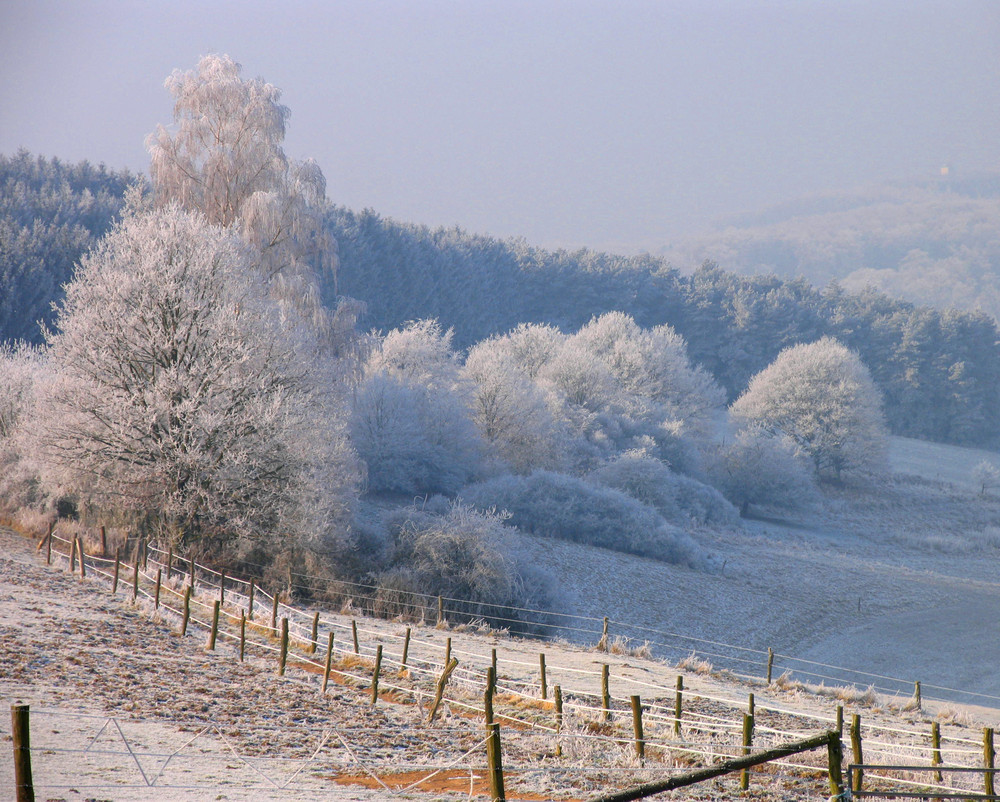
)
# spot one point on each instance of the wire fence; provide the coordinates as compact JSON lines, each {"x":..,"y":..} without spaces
{"x":591,"y":730}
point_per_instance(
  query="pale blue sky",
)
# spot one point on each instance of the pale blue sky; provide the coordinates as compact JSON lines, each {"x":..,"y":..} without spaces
{"x":616,"y":125}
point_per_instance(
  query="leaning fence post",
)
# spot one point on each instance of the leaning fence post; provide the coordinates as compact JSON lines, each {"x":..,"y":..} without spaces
{"x":495,"y":763}
{"x":856,"y":749}
{"x":283,"y":649}
{"x":187,"y":611}
{"x":83,"y":563}
{"x":21,"y":735}
{"x":378,"y":668}
{"x":936,"y":749}
{"x":678,"y":705}
{"x":989,"y":757}
{"x":640,"y":742}
{"x":214,"y":631}
{"x":835,"y":760}
{"x":606,"y":691}
{"x":442,"y":681}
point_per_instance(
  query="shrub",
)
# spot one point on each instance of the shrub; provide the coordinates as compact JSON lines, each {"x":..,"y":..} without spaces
{"x":556,"y":505}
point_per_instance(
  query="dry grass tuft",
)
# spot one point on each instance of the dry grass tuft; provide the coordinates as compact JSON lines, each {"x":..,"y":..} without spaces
{"x":695,"y":665}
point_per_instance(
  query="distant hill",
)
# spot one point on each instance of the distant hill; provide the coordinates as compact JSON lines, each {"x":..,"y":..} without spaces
{"x":932,"y":242}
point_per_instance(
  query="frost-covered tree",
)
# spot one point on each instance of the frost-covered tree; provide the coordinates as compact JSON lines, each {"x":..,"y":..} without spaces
{"x":512,"y":412}
{"x":758,"y":468}
{"x":223,"y":156}
{"x":822,"y":397}
{"x":182,"y":396}
{"x":986,"y":475}
{"x":411,"y":420}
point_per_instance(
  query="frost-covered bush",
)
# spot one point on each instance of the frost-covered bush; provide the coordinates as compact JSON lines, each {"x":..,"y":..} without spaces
{"x":411,"y":421}
{"x":460,"y":554}
{"x":985,"y":475}
{"x":756,"y":468}
{"x":556,"y":505}
{"x":822,"y":397}
{"x":679,"y":499}
{"x":512,"y":412}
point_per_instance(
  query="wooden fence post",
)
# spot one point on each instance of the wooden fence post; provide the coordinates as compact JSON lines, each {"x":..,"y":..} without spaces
{"x":274,"y":614}
{"x":751,"y":706}
{"x":48,"y":544}
{"x":406,"y":648}
{"x":678,"y":705}
{"x":916,"y":695}
{"x":557,"y":690}
{"x":606,"y":691}
{"x":83,"y":562}
{"x":440,"y":619}
{"x":541,"y":669}
{"x":72,"y":555}
{"x":170,"y":561}
{"x":243,"y":634}
{"x":21,"y":735}
{"x":283,"y":648}
{"x":936,"y":748}
{"x":447,"y":651}
{"x":488,"y":697}
{"x":354,"y":634}
{"x":156,"y":595}
{"x":856,"y":749}
{"x":104,"y":542}
{"x":191,"y":580}
{"x":495,"y":762}
{"x":840,"y":720}
{"x":253,"y":587}
{"x":135,"y":579}
{"x":329,"y":660}
{"x":835,"y":761}
{"x":378,"y":668}
{"x":493,"y":662}
{"x":214,"y":631}
{"x":640,"y":742}
{"x":770,"y":663}
{"x":747,"y":743}
{"x":187,"y":611}
{"x":989,"y":756}
{"x":313,"y":642}
{"x":442,"y":681}
{"x":602,"y":644}
{"x":222,"y":587}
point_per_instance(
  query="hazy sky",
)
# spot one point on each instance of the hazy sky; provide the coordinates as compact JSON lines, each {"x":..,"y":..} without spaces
{"x":607,"y":124}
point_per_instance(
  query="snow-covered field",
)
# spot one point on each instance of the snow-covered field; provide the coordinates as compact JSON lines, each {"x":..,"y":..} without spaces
{"x":896,"y":578}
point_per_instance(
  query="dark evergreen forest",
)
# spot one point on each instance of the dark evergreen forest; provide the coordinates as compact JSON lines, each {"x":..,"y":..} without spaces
{"x":939,"y":371}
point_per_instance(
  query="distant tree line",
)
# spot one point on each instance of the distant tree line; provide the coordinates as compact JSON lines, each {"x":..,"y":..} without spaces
{"x":938,"y":371}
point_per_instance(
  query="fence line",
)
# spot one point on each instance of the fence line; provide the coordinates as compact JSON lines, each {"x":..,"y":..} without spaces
{"x":424,"y":669}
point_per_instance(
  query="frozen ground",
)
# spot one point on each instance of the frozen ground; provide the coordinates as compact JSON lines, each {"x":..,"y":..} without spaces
{"x":899,"y":579}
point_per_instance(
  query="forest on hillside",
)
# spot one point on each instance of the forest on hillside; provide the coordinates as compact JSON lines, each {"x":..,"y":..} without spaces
{"x":939,"y":371}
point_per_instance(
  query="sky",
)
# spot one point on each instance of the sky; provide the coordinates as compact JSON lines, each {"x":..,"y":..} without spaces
{"x":615,"y":125}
